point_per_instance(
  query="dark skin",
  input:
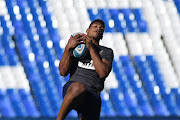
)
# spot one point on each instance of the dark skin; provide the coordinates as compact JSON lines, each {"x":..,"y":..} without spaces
{"x":77,"y":90}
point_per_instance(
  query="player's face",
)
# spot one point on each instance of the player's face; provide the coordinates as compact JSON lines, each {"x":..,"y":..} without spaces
{"x":95,"y":31}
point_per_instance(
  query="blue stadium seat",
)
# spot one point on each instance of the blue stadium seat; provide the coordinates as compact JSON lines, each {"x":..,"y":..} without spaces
{"x":156,"y":73}
{"x":103,"y":12}
{"x":158,"y":105}
{"x":105,"y":16}
{"x":136,"y":84}
{"x":120,"y":26}
{"x":120,"y":76}
{"x":35,"y":14}
{"x":114,"y":12}
{"x":142,"y":25}
{"x":44,"y":5}
{"x":131,"y":103}
{"x":118,"y":102}
{"x":178,"y":100}
{"x":144,"y":69}
{"x":130,"y":23}
{"x":147,"y":110}
{"x":175,"y":91}
{"x":37,"y":50}
{"x":93,"y":14}
{"x":16,"y":103}
{"x":149,"y":83}
{"x":170,"y":102}
{"x":32,"y":4}
{"x":9,"y":48}
{"x":6,"y":30}
{"x":10,"y":4}
{"x":107,"y":108}
{"x":47,"y":18}
{"x":126,"y":12}
{"x":72,"y":114}
{"x":125,"y":60}
{"x":6,"y":108}
{"x":129,"y":70}
{"x":138,"y":14}
{"x":177,"y":3}
{"x":3,"y":60}
{"x":30,"y":68}
{"x":29,"y":103}
{"x":3,"y":57}
{"x":141,"y":96}
{"x":39,"y":92}
{"x":161,"y":110}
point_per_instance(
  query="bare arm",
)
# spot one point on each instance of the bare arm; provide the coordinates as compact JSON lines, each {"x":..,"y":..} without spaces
{"x":65,"y":63}
{"x":102,"y":66}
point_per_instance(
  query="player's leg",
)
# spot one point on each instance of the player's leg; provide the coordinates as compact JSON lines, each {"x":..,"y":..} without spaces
{"x":91,"y":115}
{"x":74,"y":93}
{"x":90,"y":110}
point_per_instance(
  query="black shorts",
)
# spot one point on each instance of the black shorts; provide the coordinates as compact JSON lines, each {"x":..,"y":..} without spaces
{"x":91,"y":106}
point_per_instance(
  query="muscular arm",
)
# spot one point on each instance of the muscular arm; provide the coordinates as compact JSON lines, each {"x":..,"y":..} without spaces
{"x":102,"y":67}
{"x":66,"y":62}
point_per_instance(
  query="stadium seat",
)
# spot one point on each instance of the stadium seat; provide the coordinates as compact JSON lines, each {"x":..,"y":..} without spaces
{"x":107,"y":108}
{"x":177,"y":3}
{"x":171,"y":104}
{"x":6,"y":108}
{"x":28,"y":103}
{"x":16,"y":103}
{"x":119,"y":103}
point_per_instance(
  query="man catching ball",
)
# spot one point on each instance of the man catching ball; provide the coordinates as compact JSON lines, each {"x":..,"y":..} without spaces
{"x":87,"y":75}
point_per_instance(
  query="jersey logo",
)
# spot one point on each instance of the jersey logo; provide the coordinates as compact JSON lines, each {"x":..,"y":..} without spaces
{"x":100,"y":52}
{"x":86,"y":65}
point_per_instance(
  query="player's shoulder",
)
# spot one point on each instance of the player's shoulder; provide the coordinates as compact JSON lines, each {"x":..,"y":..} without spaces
{"x":104,"y":48}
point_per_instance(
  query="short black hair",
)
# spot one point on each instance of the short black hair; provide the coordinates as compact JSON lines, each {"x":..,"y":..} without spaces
{"x":99,"y":21}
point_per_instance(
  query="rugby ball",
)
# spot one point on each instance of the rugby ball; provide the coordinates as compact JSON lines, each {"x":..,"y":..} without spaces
{"x":80,"y":50}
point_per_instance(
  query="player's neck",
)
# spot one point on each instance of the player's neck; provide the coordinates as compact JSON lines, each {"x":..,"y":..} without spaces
{"x":95,"y":42}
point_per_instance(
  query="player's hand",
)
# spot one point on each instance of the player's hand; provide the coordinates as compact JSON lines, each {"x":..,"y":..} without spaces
{"x":74,"y":41}
{"x":87,"y":40}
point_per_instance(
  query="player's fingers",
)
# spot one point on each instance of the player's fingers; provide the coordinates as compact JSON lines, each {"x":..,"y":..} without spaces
{"x":85,"y":36}
{"x":79,"y":39}
{"x":83,"y":39}
{"x":83,"y":42}
{"x":78,"y":43}
{"x":77,"y":36}
{"x":87,"y":39}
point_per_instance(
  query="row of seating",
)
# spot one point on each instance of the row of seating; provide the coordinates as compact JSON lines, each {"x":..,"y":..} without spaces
{"x":120,"y":20}
{"x":160,"y":27}
{"x":24,"y":47}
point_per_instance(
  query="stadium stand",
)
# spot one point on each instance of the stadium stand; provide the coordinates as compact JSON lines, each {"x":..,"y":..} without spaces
{"x":145,"y":38}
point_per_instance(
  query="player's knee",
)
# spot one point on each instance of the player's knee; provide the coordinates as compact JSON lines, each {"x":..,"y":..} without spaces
{"x":77,"y":89}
